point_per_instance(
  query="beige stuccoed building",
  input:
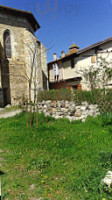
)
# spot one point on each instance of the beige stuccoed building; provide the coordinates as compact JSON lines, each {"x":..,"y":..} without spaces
{"x":20,"y":54}
{"x":71,"y":69}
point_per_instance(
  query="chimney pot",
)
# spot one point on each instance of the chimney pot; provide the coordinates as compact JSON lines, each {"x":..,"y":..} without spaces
{"x":62,"y":54}
{"x":54,"y":56}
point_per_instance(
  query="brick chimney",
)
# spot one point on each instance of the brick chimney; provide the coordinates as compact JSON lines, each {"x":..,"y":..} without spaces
{"x":73,"y":48}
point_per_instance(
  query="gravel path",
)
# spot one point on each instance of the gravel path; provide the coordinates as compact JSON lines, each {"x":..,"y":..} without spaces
{"x":10,"y":114}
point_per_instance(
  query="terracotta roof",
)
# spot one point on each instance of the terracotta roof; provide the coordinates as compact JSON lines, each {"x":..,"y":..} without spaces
{"x":83,"y":50}
{"x":26,"y":14}
{"x":73,"y":46}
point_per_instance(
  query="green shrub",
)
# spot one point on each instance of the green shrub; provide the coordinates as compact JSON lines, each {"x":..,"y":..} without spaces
{"x":92,"y":97}
{"x":54,"y":95}
{"x":101,"y":97}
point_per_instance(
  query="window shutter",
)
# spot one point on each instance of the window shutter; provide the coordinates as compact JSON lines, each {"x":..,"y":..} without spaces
{"x":93,"y":59}
{"x":79,"y":87}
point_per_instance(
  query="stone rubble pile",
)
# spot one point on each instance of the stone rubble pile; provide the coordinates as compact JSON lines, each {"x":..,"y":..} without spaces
{"x":107,"y":180}
{"x":68,"y":109}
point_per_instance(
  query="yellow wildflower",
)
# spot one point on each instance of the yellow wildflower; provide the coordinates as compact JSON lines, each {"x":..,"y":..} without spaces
{"x":43,"y":181}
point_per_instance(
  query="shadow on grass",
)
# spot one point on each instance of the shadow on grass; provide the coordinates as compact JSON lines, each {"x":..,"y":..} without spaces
{"x":1,"y":173}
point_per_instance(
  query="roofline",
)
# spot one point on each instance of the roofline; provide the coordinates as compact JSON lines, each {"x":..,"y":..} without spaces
{"x":26,"y":14}
{"x":95,"y":45}
{"x":83,"y":50}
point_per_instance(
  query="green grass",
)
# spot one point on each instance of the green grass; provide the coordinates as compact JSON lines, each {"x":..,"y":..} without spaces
{"x":9,"y":109}
{"x":62,"y":160}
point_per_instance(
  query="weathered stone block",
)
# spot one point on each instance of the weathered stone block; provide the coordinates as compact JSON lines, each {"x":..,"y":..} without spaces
{"x":85,"y":103}
{"x":54,"y":104}
{"x":78,"y":113}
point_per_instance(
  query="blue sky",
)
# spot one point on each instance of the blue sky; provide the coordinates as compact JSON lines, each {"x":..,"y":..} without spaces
{"x":66,"y":21}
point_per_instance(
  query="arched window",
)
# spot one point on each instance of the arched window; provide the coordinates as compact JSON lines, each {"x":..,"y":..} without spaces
{"x":7,"y":44}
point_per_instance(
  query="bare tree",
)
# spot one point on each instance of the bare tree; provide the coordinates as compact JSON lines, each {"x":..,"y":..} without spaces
{"x":31,"y":74}
{"x":33,"y":81}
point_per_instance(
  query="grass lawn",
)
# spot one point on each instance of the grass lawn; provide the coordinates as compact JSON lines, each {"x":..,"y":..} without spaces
{"x":11,"y":108}
{"x":59,"y":160}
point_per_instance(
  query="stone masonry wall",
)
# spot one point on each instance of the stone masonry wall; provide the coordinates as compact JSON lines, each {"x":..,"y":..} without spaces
{"x":68,"y":109}
{"x":19,"y":66}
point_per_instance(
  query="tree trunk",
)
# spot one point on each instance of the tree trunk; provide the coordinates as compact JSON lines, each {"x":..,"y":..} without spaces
{"x":27,"y":115}
{"x":37,"y":115}
{"x":30,"y":103}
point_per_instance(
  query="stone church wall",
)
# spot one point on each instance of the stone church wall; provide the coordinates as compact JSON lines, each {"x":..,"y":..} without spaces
{"x":19,"y":66}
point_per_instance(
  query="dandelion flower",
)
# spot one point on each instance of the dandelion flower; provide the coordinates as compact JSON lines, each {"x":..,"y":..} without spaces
{"x":43,"y":181}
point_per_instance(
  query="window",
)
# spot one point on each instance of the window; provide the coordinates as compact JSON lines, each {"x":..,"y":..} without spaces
{"x":77,"y":87}
{"x":93,"y":59}
{"x":56,"y":71}
{"x":72,"y":63}
{"x":7,"y":44}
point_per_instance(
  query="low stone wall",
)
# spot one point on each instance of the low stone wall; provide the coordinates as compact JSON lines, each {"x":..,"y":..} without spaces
{"x":68,"y":109}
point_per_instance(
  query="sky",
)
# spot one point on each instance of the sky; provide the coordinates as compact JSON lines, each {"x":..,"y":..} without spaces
{"x":64,"y":22}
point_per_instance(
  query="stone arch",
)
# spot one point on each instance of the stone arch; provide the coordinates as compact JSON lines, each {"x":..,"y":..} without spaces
{"x":7,"y":43}
{"x":13,"y":41}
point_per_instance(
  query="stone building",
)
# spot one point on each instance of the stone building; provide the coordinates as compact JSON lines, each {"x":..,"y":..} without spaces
{"x":69,"y":70}
{"x":20,"y":52}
